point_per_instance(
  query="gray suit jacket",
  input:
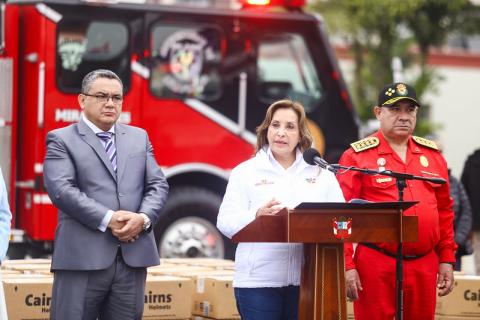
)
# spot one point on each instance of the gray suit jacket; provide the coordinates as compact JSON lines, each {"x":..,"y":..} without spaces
{"x":82,"y":184}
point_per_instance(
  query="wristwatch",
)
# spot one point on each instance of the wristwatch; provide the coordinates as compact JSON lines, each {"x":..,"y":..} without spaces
{"x":146,"y":222}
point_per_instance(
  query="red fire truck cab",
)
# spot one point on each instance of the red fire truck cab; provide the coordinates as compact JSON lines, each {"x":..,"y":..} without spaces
{"x":198,"y":76}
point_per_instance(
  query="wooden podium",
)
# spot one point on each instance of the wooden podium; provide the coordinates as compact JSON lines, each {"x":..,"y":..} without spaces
{"x":322,"y":291}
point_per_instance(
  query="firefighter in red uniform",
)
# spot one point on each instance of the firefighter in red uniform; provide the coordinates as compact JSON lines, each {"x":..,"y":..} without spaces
{"x":428,"y":263}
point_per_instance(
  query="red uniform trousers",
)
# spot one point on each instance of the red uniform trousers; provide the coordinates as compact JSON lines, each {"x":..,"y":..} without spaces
{"x":377,"y":300}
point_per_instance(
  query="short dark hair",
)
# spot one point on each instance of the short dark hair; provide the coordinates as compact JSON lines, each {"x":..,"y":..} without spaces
{"x":99,"y":73}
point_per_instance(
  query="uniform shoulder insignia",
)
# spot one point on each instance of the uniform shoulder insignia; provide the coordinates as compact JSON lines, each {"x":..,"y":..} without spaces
{"x":365,"y":144}
{"x":425,"y":142}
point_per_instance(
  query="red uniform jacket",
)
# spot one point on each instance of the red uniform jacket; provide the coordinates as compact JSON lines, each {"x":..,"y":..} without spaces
{"x":434,"y":211}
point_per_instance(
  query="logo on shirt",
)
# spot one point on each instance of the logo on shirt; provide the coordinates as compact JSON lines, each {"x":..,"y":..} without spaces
{"x":342,"y":228}
{"x":381,"y":164}
{"x":424,"y":161}
{"x":263,"y":182}
{"x":311,"y":180}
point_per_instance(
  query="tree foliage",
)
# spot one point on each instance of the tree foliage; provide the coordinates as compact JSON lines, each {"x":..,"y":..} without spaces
{"x":376,"y":31}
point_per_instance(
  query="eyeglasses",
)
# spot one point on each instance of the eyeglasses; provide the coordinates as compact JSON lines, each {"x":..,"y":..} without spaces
{"x":103,"y":98}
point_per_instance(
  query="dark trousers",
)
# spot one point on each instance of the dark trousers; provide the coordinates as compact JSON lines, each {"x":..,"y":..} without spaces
{"x":268,"y":303}
{"x":115,"y":293}
{"x":458,"y":261}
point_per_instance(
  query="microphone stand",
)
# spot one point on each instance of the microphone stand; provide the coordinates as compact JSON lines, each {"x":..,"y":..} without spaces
{"x":401,"y":182}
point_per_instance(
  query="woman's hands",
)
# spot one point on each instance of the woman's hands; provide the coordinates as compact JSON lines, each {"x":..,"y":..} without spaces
{"x":271,"y":208}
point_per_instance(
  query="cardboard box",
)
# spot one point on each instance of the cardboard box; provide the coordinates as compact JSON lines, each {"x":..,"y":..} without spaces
{"x":177,"y":271}
{"x":31,"y":268}
{"x":182,"y":261}
{"x":5,"y":271}
{"x":28,"y":298}
{"x":214,"y":298}
{"x":165,"y":262}
{"x":213,"y":263}
{"x":199,"y":261}
{"x":25,"y":276}
{"x":6,"y":263}
{"x":206,"y":273}
{"x":167,"y":297}
{"x":463,"y":301}
{"x":205,"y":318}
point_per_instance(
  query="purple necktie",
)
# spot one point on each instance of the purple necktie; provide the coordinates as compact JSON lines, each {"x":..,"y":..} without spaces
{"x":107,"y":140}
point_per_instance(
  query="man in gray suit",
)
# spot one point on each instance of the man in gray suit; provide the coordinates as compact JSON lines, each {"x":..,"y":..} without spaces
{"x":103,"y":178}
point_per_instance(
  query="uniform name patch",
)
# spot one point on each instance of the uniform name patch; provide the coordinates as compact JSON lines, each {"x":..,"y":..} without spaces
{"x":382,"y":180}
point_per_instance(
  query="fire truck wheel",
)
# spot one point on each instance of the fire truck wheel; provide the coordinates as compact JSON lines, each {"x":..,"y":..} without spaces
{"x":187,"y":227}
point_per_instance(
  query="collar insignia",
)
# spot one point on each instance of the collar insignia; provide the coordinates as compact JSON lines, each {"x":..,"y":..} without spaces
{"x":365,"y":144}
{"x":425,"y":142}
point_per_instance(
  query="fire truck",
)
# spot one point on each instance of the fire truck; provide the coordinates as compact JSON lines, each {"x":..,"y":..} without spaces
{"x":198,"y":76}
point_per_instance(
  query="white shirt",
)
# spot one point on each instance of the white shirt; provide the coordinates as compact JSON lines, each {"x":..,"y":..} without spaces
{"x":252,"y":184}
{"x":109,"y":214}
{"x":94,"y":128}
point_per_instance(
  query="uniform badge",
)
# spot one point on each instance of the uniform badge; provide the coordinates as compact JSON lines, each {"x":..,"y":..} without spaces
{"x":402,"y":89}
{"x":424,"y":161}
{"x":381,"y":162}
{"x":342,"y":228}
{"x":389,"y":92}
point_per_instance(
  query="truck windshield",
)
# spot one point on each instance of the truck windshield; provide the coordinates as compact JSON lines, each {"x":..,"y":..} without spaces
{"x":203,"y":61}
{"x":83,"y":46}
{"x":186,"y":61}
{"x":286,"y":69}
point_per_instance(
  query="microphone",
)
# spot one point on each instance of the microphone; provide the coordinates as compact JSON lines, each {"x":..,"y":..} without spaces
{"x":438,"y":180}
{"x":312,"y":157}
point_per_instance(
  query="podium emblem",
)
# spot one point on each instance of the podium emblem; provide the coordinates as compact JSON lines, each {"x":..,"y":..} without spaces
{"x":342,"y":228}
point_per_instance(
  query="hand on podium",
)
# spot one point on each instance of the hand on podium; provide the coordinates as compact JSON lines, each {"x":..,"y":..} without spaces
{"x":271,"y":208}
{"x":357,"y":200}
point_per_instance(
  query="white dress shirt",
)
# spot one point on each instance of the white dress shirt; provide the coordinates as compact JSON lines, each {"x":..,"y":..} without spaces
{"x":252,"y":184}
{"x":109,"y":214}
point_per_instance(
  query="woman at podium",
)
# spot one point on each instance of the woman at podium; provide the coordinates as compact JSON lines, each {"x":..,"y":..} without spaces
{"x":267,"y":275}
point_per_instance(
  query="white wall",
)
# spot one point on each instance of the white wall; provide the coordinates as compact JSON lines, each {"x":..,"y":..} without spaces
{"x":456,"y":107}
